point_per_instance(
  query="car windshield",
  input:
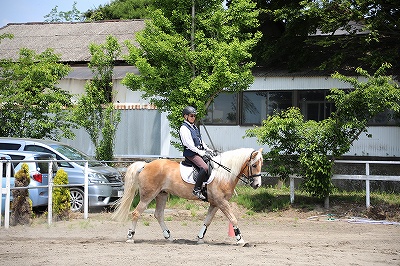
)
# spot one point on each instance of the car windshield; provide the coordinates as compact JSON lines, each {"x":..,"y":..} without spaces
{"x":74,"y":154}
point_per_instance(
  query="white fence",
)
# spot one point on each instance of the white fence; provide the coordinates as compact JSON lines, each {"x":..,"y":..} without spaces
{"x":50,"y":186}
{"x":367,"y":178}
{"x":7,"y":190}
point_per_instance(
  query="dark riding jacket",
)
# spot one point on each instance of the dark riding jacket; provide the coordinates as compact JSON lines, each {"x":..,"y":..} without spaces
{"x":195,"y":132}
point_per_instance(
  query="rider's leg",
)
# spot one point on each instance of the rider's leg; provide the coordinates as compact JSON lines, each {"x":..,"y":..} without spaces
{"x":201,"y":178}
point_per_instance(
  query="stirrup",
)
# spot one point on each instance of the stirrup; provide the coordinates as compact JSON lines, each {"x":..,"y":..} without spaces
{"x":198,"y":194}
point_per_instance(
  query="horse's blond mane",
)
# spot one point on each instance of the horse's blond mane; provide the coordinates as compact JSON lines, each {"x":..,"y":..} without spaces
{"x":233,"y":160}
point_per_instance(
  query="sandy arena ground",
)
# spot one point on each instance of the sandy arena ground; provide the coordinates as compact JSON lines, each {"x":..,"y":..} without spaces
{"x":288,"y":238}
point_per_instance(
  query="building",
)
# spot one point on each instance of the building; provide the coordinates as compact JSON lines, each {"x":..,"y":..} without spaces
{"x":145,"y":131}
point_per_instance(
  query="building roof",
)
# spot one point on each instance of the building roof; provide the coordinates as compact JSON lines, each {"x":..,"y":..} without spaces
{"x":69,"y":39}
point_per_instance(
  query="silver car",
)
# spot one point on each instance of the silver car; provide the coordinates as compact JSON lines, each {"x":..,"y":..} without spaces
{"x":105,"y":182}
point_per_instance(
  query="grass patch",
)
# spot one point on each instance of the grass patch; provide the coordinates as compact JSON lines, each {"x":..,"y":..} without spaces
{"x":267,"y":199}
{"x":270,"y":199}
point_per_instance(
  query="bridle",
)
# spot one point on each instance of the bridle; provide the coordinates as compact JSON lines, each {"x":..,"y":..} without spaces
{"x":248,"y":179}
{"x":242,"y":176}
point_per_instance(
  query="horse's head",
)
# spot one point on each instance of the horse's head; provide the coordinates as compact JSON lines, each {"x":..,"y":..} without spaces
{"x":253,"y":170}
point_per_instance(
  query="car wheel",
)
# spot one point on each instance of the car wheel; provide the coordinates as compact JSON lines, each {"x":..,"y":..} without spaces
{"x":76,"y":199}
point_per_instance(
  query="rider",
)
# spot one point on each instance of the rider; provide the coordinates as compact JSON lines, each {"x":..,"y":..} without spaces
{"x":194,"y":148}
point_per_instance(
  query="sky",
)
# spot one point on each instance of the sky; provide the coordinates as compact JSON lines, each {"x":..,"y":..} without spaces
{"x":22,"y":11}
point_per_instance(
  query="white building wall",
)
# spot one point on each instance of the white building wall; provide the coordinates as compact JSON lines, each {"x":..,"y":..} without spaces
{"x":298,"y":83}
{"x":147,"y":132}
{"x":385,"y":141}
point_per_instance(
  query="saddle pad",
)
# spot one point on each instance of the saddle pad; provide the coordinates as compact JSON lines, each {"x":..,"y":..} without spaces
{"x":187,"y":174}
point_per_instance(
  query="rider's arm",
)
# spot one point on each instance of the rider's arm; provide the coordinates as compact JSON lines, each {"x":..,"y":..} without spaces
{"x":188,"y":142}
{"x":206,"y":147}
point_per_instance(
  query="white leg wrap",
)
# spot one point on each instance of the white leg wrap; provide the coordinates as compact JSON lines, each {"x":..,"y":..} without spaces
{"x":167,"y":234}
{"x":202,"y":231}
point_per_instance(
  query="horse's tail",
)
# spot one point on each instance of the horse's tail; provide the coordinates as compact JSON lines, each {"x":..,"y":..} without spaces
{"x":123,"y":205}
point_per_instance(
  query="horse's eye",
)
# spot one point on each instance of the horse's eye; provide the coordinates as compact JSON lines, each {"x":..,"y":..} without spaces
{"x":254,"y":165}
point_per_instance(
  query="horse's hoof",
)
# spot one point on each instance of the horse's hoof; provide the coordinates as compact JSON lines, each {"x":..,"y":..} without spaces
{"x":200,"y":241}
{"x":130,"y":241}
{"x":241,"y":242}
{"x":170,"y":239}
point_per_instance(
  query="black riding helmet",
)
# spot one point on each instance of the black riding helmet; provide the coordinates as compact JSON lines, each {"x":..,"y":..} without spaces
{"x":189,"y":110}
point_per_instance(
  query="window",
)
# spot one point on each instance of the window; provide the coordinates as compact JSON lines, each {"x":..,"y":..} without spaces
{"x":387,"y":117}
{"x":9,"y":146}
{"x":257,"y":105}
{"x":252,"y":107}
{"x":314,"y":106}
{"x":223,"y":110}
{"x":43,"y":149}
{"x":20,"y":158}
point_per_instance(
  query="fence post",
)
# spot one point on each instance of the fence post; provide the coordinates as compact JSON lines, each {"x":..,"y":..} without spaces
{"x":50,"y":195}
{"x":86,"y":192}
{"x":8,"y":196}
{"x":1,"y":190}
{"x":326,"y":202}
{"x":367,"y":187}
{"x":291,"y":189}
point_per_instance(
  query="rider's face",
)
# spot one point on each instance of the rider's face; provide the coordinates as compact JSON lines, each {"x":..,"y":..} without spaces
{"x":191,"y":118}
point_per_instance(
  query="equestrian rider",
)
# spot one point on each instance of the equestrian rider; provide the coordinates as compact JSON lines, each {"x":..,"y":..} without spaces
{"x":194,"y":148}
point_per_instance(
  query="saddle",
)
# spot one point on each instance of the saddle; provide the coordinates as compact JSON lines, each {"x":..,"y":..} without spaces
{"x":187,"y":163}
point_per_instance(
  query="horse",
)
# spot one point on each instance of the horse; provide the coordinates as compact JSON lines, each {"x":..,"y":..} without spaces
{"x":161,"y":177}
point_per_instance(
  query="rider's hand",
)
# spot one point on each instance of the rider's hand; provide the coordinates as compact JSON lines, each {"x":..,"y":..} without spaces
{"x":206,"y":158}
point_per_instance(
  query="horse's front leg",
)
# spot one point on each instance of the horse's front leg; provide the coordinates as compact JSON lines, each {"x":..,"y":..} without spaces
{"x":227,"y":210}
{"x":161,"y":201}
{"x":207,"y":221}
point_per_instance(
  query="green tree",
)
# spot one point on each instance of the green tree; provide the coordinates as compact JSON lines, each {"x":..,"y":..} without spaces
{"x":95,"y":110}
{"x":287,"y":43}
{"x":310,"y":146}
{"x":64,"y":16}
{"x":190,"y":51}
{"x":31,"y":104}
{"x":121,"y":9}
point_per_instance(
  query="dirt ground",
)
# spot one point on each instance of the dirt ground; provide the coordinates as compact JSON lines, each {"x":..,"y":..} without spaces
{"x":284,"y":238}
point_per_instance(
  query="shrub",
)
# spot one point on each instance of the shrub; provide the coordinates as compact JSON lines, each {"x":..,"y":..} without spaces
{"x":22,"y":204}
{"x":61,"y":196}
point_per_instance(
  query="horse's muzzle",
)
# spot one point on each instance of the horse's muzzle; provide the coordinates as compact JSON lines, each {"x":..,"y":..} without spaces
{"x":256,"y":181}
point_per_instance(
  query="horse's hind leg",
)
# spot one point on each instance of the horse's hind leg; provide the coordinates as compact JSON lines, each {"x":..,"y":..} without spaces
{"x":140,"y":208}
{"x":161,"y":201}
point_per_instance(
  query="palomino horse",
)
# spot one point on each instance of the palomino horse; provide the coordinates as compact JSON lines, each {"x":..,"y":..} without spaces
{"x":162,"y":176}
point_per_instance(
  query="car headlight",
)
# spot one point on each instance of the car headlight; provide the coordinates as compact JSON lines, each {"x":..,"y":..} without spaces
{"x":97,"y":178}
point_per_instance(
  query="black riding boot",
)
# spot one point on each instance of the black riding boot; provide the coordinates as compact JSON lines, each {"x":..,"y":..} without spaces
{"x":201,"y":178}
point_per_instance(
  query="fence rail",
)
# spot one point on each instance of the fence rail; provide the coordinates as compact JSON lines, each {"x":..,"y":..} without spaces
{"x":367,"y":177}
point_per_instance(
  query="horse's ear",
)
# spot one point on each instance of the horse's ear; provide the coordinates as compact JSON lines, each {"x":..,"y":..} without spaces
{"x":255,"y":154}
